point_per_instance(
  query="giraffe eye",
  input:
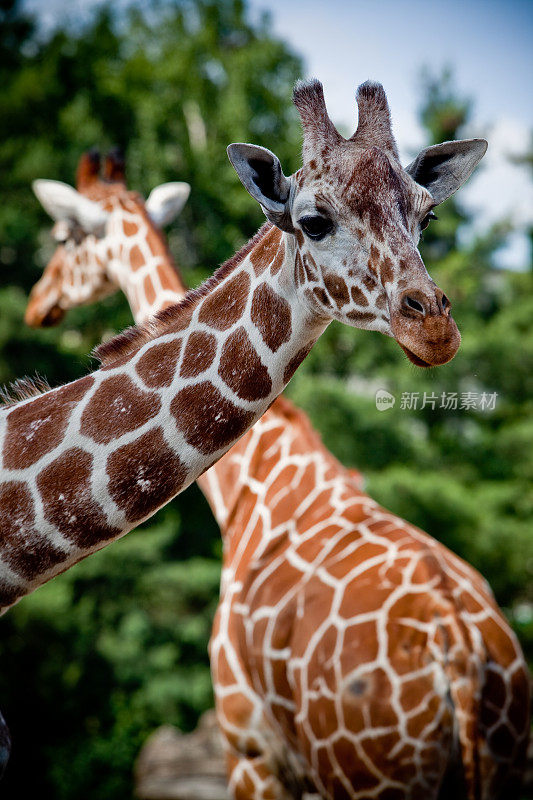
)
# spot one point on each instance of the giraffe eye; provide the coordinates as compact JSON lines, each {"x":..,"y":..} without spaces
{"x":316,"y":227}
{"x":425,"y":222}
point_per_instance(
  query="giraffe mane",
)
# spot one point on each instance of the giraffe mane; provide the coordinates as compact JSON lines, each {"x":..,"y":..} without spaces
{"x":132,"y":339}
{"x":23,"y":389}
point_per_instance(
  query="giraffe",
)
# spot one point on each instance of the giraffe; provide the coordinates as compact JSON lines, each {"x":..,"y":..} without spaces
{"x":279,"y":486}
{"x":85,"y":463}
{"x":73,"y":270}
{"x":353,"y":656}
{"x":88,"y":265}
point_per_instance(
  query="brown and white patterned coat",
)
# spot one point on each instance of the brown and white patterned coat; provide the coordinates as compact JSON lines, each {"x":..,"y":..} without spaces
{"x":111,"y":243}
{"x":353,"y":656}
{"x":426,"y":687}
{"x":85,"y":463}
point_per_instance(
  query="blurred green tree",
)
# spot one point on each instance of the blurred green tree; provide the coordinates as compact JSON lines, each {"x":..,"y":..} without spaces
{"x":98,"y":658}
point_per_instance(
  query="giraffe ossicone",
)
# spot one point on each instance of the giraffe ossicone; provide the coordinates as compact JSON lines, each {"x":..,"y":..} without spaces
{"x":85,"y":463}
{"x":357,"y":216}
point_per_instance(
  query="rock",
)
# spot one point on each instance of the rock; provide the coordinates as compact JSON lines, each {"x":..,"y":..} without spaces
{"x":183,"y":766}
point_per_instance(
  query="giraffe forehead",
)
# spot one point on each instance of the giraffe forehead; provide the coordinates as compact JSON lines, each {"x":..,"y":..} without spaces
{"x":87,"y":252}
{"x":348,"y":179}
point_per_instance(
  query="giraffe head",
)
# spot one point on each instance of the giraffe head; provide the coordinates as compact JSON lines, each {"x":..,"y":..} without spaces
{"x":101,"y":230}
{"x":356,"y":216}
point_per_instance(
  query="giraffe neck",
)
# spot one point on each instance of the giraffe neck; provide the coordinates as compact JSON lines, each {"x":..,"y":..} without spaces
{"x":84,"y":464}
{"x":280,"y":464}
{"x":140,"y":264}
{"x":224,"y":483}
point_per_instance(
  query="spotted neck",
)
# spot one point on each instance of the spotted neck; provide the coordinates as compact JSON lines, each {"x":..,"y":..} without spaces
{"x":139,"y":262}
{"x":281,"y":463}
{"x":224,"y":481}
{"x":84,"y":464}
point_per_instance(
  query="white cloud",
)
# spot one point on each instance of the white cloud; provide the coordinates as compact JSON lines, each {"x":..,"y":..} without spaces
{"x":501,"y":188}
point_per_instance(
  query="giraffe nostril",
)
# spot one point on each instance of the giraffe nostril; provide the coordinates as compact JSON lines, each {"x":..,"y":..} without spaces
{"x":444,"y":302}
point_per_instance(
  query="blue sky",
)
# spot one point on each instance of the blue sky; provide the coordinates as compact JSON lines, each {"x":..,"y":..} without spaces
{"x":488,"y":43}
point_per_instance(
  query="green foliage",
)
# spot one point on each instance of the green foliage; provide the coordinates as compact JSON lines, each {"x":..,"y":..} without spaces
{"x":116,"y":646}
{"x":97,"y":658}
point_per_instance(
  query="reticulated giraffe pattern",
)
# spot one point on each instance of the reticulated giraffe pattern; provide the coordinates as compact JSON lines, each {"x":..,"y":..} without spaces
{"x":352,"y":655}
{"x":278,"y":488}
{"x":280,"y":481}
{"x":85,"y":463}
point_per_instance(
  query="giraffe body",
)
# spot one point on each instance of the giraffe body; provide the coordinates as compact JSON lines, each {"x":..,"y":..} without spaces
{"x":352,"y":655}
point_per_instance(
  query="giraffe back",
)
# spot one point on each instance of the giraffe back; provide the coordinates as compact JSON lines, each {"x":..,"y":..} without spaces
{"x":380,"y":657}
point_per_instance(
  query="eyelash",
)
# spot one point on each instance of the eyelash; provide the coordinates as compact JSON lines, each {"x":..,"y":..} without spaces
{"x":427,"y":219}
{"x":325,"y":226}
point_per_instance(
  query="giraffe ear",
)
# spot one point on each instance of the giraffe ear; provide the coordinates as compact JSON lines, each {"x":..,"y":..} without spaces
{"x":63,"y":202}
{"x":166,"y":201}
{"x":443,"y":168}
{"x":261,"y":175}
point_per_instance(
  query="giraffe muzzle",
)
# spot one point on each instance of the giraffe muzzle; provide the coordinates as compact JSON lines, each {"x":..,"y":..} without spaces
{"x":424,"y":328}
{"x":37,"y":316}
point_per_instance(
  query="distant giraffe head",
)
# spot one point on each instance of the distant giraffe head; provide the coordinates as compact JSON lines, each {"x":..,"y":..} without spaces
{"x":103,"y":231}
{"x":357,"y":215}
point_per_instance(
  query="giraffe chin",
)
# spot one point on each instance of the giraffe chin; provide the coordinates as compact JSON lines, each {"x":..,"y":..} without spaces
{"x":420,"y":362}
{"x":414,"y":359}
{"x":438,"y":340}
